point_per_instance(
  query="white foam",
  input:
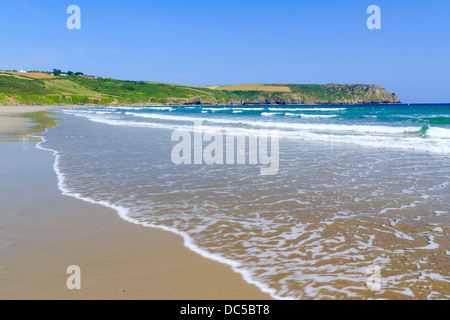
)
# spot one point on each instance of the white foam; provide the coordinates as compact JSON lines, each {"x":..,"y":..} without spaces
{"x":249,"y":109}
{"x":431,"y":244}
{"x":268,"y":114}
{"x":217,"y":109}
{"x":283,"y":125}
{"x":436,"y":132}
{"x":306,"y":109}
{"x":433,"y":276}
{"x":103,"y":112}
{"x":161,"y":108}
{"x":304,"y":115}
{"x":289,"y":114}
{"x":363,"y":135}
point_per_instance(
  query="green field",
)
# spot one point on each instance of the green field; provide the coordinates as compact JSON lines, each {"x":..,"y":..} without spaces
{"x":252,"y":87}
{"x":68,"y":87}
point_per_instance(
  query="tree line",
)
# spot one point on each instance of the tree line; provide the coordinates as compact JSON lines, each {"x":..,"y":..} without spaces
{"x":58,"y":72}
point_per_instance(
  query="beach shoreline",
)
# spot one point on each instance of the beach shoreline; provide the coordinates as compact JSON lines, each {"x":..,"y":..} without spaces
{"x":44,"y":232}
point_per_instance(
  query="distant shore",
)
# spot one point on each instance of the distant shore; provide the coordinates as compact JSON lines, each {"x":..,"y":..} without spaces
{"x":43,"y":232}
{"x":79,"y":89}
{"x":150,"y":104}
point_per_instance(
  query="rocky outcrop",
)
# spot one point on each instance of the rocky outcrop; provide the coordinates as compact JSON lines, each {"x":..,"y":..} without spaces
{"x":364,"y":94}
{"x":335,"y":94}
{"x":306,"y":95}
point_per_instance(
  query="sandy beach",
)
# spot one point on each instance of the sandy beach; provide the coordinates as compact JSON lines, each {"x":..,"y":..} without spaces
{"x":43,"y":232}
{"x":9,"y":120}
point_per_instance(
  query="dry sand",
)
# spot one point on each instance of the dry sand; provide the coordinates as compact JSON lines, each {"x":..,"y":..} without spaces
{"x":43,"y":232}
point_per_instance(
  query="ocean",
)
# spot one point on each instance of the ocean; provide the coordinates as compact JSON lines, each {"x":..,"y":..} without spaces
{"x":357,"y":208}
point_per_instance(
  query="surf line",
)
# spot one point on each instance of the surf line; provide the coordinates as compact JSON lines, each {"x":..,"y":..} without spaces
{"x":226,"y":148}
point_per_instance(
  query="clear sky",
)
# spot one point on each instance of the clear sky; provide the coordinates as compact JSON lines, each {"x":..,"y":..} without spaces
{"x":237,"y":42}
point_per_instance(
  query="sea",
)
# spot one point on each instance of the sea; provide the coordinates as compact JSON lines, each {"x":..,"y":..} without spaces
{"x":358,"y":208}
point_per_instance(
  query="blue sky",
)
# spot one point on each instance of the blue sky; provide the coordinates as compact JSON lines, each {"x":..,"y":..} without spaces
{"x":237,"y":42}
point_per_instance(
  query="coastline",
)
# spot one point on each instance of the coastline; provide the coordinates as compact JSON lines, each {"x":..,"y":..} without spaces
{"x":205,"y":104}
{"x":43,"y":235}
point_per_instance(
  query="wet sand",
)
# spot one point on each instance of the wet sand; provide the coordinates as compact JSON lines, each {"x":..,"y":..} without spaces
{"x":43,"y":232}
{"x":9,"y":120}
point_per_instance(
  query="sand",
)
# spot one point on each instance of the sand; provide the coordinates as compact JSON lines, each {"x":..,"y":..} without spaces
{"x":43,"y":232}
{"x":9,"y":121}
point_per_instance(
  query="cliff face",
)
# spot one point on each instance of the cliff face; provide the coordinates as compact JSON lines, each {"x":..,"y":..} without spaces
{"x":305,"y":95}
{"x":364,"y":94}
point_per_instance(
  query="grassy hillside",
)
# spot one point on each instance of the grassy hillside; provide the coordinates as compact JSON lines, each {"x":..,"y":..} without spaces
{"x":44,"y":88}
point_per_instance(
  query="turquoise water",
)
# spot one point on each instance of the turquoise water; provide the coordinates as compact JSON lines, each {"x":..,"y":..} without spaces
{"x":357,"y":186}
{"x":411,"y":127}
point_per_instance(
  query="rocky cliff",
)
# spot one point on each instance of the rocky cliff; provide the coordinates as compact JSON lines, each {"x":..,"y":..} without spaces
{"x":303,"y":94}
